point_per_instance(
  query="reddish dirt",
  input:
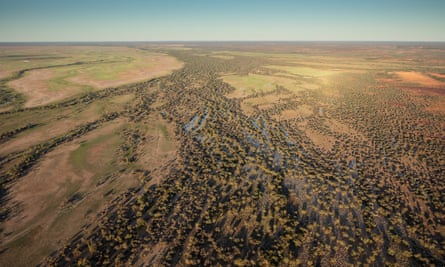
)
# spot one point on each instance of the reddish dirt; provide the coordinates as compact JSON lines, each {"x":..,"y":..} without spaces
{"x":302,"y":111}
{"x":4,"y":73}
{"x":322,"y":141}
{"x":162,"y":65}
{"x":396,"y":104}
{"x":34,"y":86}
{"x":437,"y":107}
{"x":438,"y":75}
{"x":419,"y":78}
{"x":43,"y":195}
{"x":46,"y":132}
{"x":159,"y":149}
{"x":424,"y":91}
{"x":6,"y":108}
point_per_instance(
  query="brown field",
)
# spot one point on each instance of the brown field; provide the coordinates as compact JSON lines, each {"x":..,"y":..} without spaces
{"x":47,"y":217}
{"x":422,"y":91}
{"x":154,"y":66}
{"x":4,"y":73}
{"x":438,"y":75}
{"x":302,"y":111}
{"x":437,"y":108}
{"x":63,"y":122}
{"x":35,"y":86}
{"x":419,"y":78}
{"x":160,"y":148}
{"x":53,"y":74}
{"x":320,"y":140}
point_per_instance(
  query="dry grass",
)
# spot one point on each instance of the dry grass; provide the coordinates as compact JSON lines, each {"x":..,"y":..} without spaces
{"x":267,"y":99}
{"x":223,"y":56}
{"x":324,"y":142}
{"x":437,"y":107}
{"x":152,"y":66}
{"x":4,"y":73}
{"x":305,"y":71}
{"x":160,"y":148}
{"x":438,"y":75}
{"x":95,"y":68}
{"x":339,"y":127}
{"x":251,"y":84}
{"x":70,"y":119}
{"x":35,"y":86}
{"x":302,"y":111}
{"x":47,"y":218}
{"x":418,"y":78}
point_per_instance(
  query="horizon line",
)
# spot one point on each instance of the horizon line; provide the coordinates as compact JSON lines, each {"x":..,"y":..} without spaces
{"x":222,"y":41}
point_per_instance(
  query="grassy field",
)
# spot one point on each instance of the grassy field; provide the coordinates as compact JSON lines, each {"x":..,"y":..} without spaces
{"x":256,"y":84}
{"x":52,"y":74}
{"x":304,"y":71}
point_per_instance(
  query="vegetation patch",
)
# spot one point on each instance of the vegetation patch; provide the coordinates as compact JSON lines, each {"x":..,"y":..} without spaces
{"x":305,"y":71}
{"x":253,"y":84}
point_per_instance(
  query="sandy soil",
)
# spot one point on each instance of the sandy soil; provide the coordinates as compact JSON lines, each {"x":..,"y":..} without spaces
{"x":257,"y":83}
{"x":424,"y":91}
{"x":302,"y":111}
{"x":6,"y":108}
{"x":339,"y":127}
{"x":438,"y":75}
{"x":160,"y":65}
{"x":419,"y":78}
{"x":437,"y":107}
{"x":287,"y":114}
{"x":43,"y":195}
{"x":46,"y":132}
{"x":159,"y":148}
{"x":34,"y":85}
{"x":240,"y":93}
{"x":4,"y":73}
{"x":320,"y":140}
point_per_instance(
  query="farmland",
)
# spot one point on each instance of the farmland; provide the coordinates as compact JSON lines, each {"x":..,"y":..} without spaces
{"x":218,"y":154}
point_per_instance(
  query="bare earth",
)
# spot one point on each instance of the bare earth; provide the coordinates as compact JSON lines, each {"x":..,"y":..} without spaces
{"x":35,"y":86}
{"x":419,"y":78}
{"x":161,"y":65}
{"x":42,"y":195}
{"x":4,"y":73}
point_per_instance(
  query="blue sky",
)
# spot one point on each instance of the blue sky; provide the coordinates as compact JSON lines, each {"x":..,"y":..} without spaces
{"x":222,"y":20}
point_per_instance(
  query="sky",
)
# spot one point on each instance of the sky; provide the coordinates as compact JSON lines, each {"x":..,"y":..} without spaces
{"x":221,"y":20}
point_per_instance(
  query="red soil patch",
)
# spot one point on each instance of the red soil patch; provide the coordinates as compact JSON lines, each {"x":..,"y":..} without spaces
{"x":302,"y":111}
{"x":419,"y":78}
{"x":438,"y":75}
{"x":322,"y":141}
{"x":46,"y":132}
{"x":397,"y":104}
{"x":424,"y":91}
{"x":43,"y":195}
{"x":161,"y":65}
{"x":34,"y":86}
{"x":160,"y":148}
{"x":4,"y":73}
{"x":430,"y":86}
{"x":438,"y":107}
{"x":6,"y":108}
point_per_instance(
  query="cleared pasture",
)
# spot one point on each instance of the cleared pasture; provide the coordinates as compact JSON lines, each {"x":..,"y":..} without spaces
{"x":50,"y":75}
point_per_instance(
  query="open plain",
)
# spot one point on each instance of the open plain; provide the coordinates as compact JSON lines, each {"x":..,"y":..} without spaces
{"x":223,"y":154}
